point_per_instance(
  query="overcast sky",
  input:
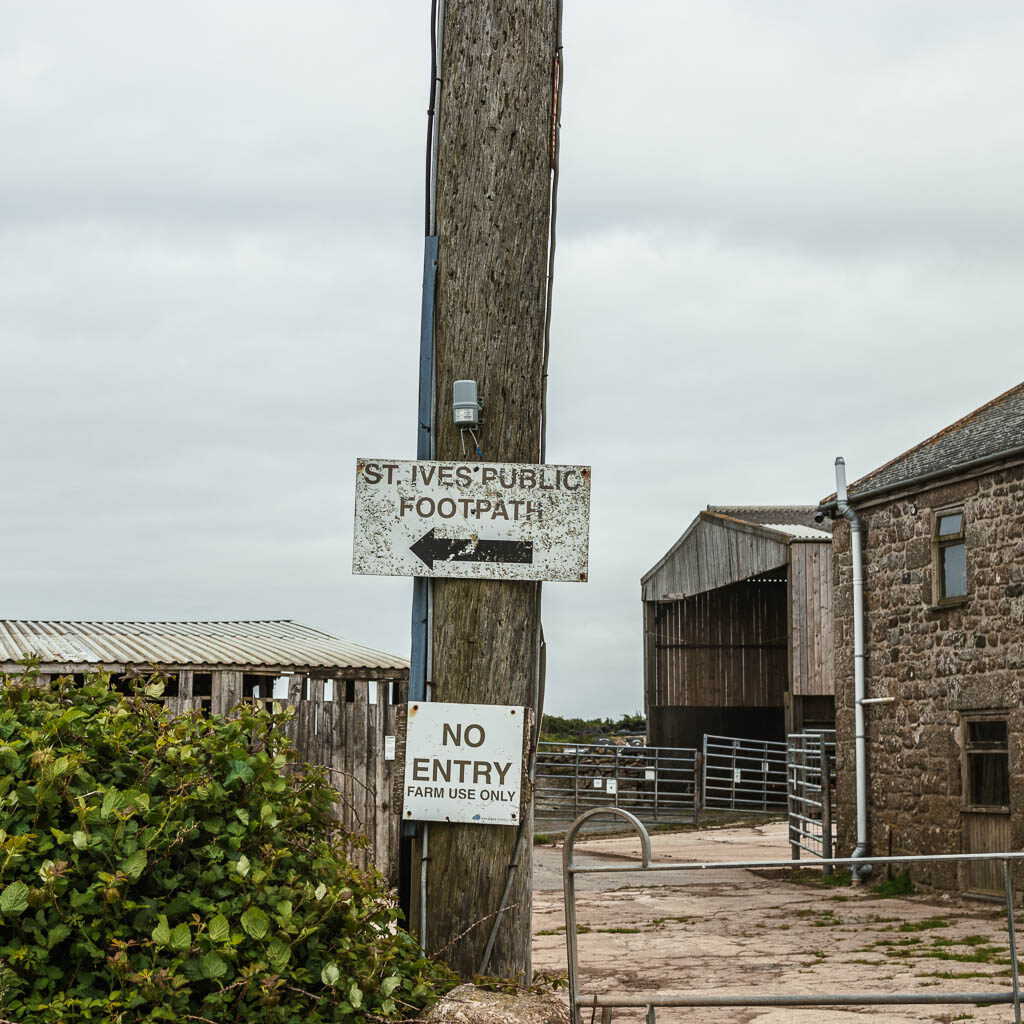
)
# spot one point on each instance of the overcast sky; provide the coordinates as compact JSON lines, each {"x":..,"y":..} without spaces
{"x":786,"y":231}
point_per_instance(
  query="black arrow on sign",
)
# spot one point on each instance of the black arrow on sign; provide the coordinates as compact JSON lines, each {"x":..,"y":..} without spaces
{"x":430,"y":549}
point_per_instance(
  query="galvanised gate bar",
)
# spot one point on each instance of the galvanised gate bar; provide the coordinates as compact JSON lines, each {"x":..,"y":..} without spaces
{"x":655,"y":783}
{"x":606,"y":1002}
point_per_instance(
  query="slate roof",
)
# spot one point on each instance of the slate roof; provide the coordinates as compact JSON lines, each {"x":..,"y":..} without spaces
{"x":276,"y":643}
{"x":995,"y":428}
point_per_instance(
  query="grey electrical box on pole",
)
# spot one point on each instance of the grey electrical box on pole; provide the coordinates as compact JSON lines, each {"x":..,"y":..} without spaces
{"x":465,"y":404}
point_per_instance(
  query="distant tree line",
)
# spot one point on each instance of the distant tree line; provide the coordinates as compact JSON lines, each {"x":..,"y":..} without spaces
{"x":586,"y":730}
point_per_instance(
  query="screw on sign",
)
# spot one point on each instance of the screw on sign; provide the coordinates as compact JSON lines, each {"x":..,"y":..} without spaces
{"x":471,"y":520}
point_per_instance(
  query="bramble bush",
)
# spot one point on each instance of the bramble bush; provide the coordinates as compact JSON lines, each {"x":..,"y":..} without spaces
{"x":166,"y":869}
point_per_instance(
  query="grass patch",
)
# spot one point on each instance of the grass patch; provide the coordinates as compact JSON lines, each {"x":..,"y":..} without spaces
{"x":618,"y":931}
{"x":808,"y":876}
{"x":581,"y":929}
{"x":925,"y":925}
{"x":551,"y":931}
{"x":541,"y":839}
{"x":953,"y":975}
{"x":889,"y":888}
{"x":827,"y":920}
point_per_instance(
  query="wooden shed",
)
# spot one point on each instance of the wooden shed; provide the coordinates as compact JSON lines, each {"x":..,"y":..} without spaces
{"x":344,"y":693}
{"x":737,"y":628}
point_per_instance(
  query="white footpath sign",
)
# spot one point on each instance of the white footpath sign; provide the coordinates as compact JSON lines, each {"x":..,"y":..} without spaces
{"x":463,"y":762}
{"x":471,"y":520}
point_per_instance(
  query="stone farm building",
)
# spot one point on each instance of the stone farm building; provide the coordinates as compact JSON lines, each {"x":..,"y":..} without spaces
{"x":943,"y":557}
{"x":737,"y":628}
{"x":344,"y":693}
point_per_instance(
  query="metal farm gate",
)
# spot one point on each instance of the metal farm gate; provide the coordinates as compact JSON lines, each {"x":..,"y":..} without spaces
{"x":810,"y":774}
{"x":655,"y":783}
{"x":744,"y":775}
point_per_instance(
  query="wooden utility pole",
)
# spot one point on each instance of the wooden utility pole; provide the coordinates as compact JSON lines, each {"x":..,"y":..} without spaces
{"x":495,"y":141}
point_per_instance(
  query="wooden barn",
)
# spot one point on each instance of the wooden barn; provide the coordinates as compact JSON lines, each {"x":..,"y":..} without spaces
{"x":344,"y":693}
{"x":737,"y":628}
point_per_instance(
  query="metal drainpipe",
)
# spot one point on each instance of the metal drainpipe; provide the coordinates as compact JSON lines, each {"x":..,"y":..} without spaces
{"x":863,"y":848}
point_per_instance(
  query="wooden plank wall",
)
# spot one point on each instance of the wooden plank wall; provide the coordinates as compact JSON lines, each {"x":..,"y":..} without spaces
{"x":715,"y":554}
{"x":724,"y":648}
{"x":348,"y":740}
{"x":810,"y":575}
{"x":345,"y":737}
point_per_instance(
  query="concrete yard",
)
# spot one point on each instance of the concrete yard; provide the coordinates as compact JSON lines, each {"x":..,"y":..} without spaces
{"x":740,"y":932}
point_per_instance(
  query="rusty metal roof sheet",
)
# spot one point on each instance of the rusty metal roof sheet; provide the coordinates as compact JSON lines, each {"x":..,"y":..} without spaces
{"x":276,"y":643}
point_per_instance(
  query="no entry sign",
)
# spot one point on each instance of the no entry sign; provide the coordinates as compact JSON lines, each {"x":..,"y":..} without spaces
{"x":474,"y":520}
{"x":464,"y":762}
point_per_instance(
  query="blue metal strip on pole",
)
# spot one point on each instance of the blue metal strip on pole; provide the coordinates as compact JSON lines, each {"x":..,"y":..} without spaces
{"x":418,"y":660}
{"x":420,"y":585}
{"x":423,"y":433}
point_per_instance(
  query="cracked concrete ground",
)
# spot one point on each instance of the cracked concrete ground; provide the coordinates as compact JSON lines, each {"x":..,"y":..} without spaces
{"x":740,"y":932}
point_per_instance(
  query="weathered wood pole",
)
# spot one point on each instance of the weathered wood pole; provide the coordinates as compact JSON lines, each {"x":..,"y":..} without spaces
{"x":493,"y":198}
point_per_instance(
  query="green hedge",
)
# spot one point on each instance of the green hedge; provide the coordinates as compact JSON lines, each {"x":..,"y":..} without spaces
{"x":166,"y":869}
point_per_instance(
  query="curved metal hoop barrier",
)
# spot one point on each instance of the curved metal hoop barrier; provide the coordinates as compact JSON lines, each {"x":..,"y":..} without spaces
{"x":606,"y":1002}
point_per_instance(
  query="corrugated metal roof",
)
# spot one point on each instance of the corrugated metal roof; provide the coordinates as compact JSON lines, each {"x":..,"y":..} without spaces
{"x":797,"y":531}
{"x":769,"y":515}
{"x":268,"y":644}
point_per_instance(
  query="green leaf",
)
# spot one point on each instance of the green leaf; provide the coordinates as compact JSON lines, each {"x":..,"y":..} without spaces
{"x":355,"y":996}
{"x":388,"y":985}
{"x":255,"y":923}
{"x":81,"y":840}
{"x":321,"y":891}
{"x":212,"y":966}
{"x":181,"y":937}
{"x":278,"y":953}
{"x":155,"y":690}
{"x":57,"y":935}
{"x":240,"y":770}
{"x":112,"y":800}
{"x":161,"y":934}
{"x":242,"y":815}
{"x":220,"y":930}
{"x":330,"y":975}
{"x":14,"y":899}
{"x":242,"y":865}
{"x":134,"y":865}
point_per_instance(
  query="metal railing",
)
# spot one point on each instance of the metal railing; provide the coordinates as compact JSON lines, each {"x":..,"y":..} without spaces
{"x":744,"y":775}
{"x":810,"y":774}
{"x":651,"y":1000}
{"x":655,"y":783}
